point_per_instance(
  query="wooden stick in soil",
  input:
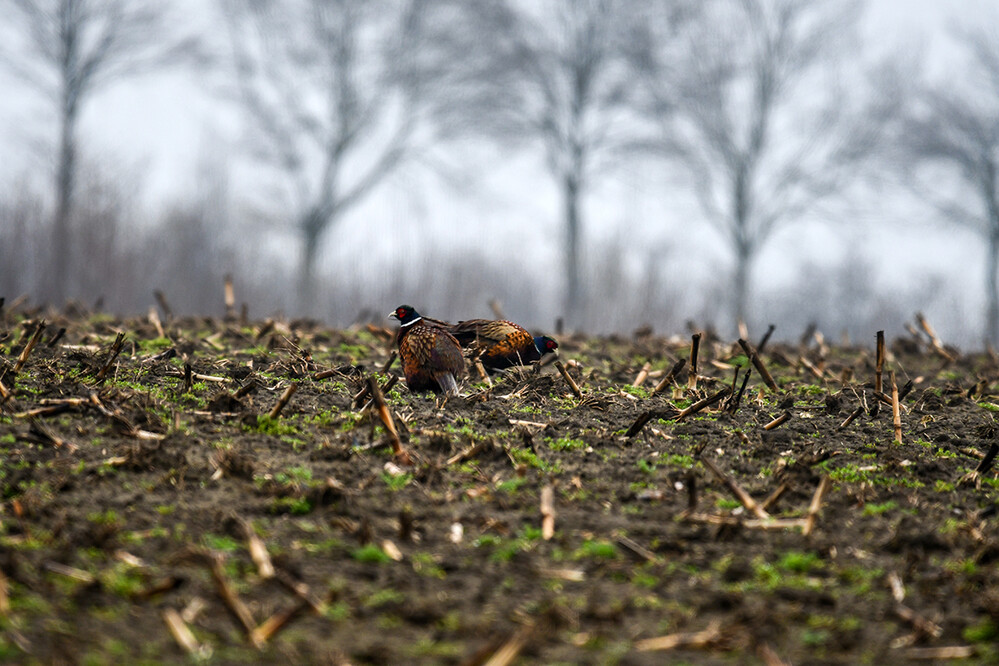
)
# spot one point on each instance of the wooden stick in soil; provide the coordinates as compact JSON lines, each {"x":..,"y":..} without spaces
{"x":695,"y":346}
{"x":4,"y":596}
{"x":119,"y":342}
{"x":774,"y":496}
{"x":230,"y":298}
{"x":780,"y":420}
{"x":754,"y":358}
{"x":154,"y":319}
{"x":740,"y":494}
{"x":934,"y":340}
{"x":733,"y":405}
{"x":849,"y":419}
{"x":880,"y":363}
{"x":386,"y":417}
{"x":231,"y":598}
{"x":940,"y":653}
{"x":511,"y":649}
{"x":302,"y":591}
{"x":569,"y":380}
{"x":391,"y":359}
{"x":275,"y":623}
{"x":547,"y":512}
{"x":691,"y":639}
{"x":28,"y":347}
{"x":702,"y":404}
{"x":181,"y":632}
{"x":483,"y":375}
{"x":386,"y":387}
{"x":283,"y":400}
{"x":765,"y":339}
{"x":258,"y":551}
{"x":896,"y":415}
{"x":668,"y":378}
{"x":58,"y":336}
{"x":643,"y":374}
{"x":813,"y":508}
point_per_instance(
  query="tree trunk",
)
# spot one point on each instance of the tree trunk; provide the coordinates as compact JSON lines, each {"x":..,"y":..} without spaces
{"x":311,"y":226}
{"x":65,"y":186}
{"x":574,"y":295}
{"x":992,"y":289}
{"x":740,"y":286}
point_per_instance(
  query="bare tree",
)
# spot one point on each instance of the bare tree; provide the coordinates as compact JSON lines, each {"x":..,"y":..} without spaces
{"x":758,"y":120}
{"x":69,"y":50}
{"x":558,"y":75}
{"x":332,"y":102}
{"x":950,"y":154}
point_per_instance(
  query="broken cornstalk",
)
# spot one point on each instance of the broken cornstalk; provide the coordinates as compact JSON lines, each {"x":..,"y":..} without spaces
{"x":754,"y":358}
{"x":695,"y":346}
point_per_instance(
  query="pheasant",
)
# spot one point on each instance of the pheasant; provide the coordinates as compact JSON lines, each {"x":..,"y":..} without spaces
{"x":431,"y":356}
{"x":502,"y":343}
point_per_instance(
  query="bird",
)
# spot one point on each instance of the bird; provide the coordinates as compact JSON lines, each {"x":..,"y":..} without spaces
{"x":502,"y":343}
{"x":431,"y":357}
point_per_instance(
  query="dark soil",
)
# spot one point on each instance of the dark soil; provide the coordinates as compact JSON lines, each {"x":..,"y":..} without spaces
{"x":129,"y":498}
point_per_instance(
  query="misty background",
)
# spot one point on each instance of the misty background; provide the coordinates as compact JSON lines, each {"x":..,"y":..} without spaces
{"x":613,"y":163}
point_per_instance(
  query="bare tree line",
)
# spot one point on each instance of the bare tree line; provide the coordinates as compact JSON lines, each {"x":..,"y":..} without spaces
{"x":759,"y":114}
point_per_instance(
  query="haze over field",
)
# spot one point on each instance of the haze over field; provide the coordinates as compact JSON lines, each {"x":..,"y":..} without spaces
{"x":611,"y":163}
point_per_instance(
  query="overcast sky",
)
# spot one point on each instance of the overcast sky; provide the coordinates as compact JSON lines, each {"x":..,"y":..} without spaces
{"x":158,"y":130}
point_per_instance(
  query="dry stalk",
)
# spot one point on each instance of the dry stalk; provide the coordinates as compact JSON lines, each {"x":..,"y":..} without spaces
{"x":511,"y":649}
{"x":4,"y":596}
{"x":702,"y":404}
{"x":231,"y":598}
{"x":636,"y":548}
{"x":119,"y":342}
{"x":164,"y":304}
{"x":283,"y":400}
{"x":921,"y":624}
{"x":765,"y":339}
{"x":275,"y":623}
{"x":230,"y":298}
{"x":740,"y":494}
{"x":154,"y":319}
{"x":769,"y":656}
{"x":668,"y":377}
{"x":391,"y":359}
{"x":547,"y":512}
{"x":774,"y":496}
{"x":467,"y":453}
{"x":569,"y":380}
{"x":780,"y":420}
{"x":35,"y":337}
{"x":386,"y":387}
{"x":182,"y":633}
{"x":758,"y":364}
{"x":258,"y":551}
{"x":896,"y":414}
{"x":695,"y":345}
{"x":940,"y":653}
{"x":934,"y":340}
{"x":483,"y":375}
{"x":691,"y":639}
{"x":879,"y":367}
{"x":849,"y":419}
{"x":386,"y":416}
{"x":643,"y":374}
{"x":302,"y":591}
{"x":813,"y":508}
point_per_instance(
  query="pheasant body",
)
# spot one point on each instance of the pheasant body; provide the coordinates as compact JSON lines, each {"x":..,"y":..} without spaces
{"x":431,"y":357}
{"x":501,"y":343}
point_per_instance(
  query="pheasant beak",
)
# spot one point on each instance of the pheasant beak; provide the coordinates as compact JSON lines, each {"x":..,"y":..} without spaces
{"x":393,"y":315}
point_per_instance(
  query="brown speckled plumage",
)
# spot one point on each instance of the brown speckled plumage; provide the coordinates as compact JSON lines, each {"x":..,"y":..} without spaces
{"x":431,"y":357}
{"x":500,"y":343}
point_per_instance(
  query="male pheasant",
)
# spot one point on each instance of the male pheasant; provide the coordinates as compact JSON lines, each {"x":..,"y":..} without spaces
{"x":431,"y":356}
{"x":502,"y":343}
